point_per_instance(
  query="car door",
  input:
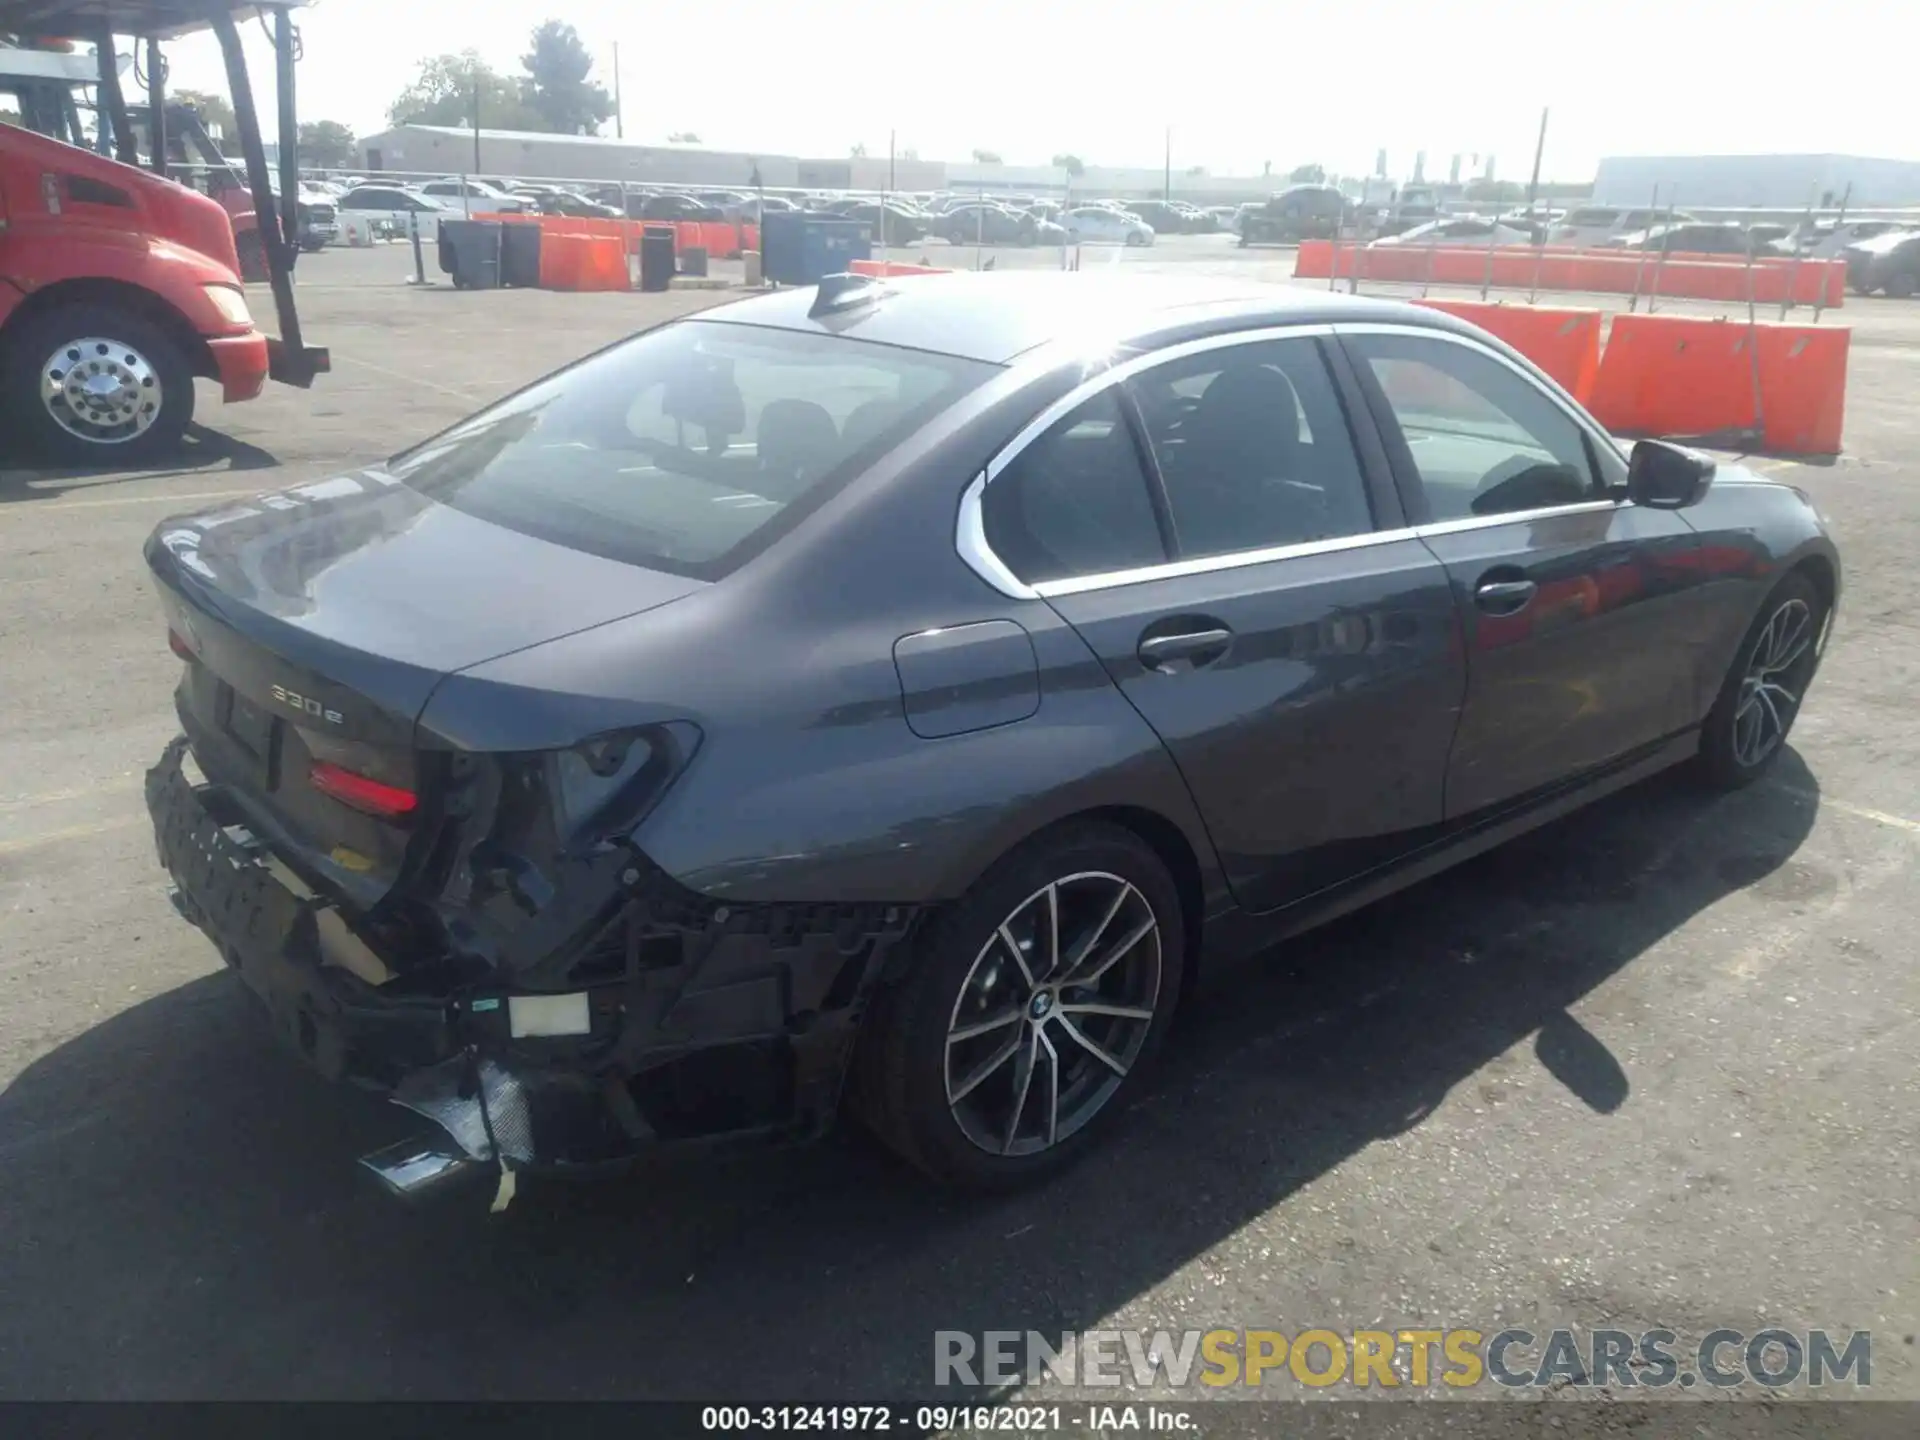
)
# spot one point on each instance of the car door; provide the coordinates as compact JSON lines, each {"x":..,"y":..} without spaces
{"x":1576,"y":603}
{"x":1291,"y":642}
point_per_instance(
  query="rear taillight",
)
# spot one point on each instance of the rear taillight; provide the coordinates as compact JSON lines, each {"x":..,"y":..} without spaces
{"x":177,"y":643}
{"x":370,"y":797}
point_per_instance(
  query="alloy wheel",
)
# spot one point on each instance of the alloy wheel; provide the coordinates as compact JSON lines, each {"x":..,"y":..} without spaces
{"x":100,"y":390}
{"x":1053,"y":1013}
{"x":1776,"y":678}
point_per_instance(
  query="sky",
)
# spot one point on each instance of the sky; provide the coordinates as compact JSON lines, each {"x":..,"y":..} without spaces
{"x":1239,"y":85}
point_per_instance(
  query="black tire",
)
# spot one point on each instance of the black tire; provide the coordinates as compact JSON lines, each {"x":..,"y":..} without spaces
{"x":1726,"y":758}
{"x":1900,"y":286}
{"x":903,"y":1082}
{"x":31,"y":342}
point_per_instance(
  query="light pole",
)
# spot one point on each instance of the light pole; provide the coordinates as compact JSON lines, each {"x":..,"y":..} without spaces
{"x":619,"y":120}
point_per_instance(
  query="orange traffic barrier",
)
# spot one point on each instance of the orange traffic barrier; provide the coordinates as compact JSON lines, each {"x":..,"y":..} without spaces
{"x":572,"y":261}
{"x":1314,"y":260}
{"x":1676,"y":375}
{"x":1803,"y":387}
{"x":887,"y":268}
{"x":1773,"y":279}
{"x":1564,"y":343}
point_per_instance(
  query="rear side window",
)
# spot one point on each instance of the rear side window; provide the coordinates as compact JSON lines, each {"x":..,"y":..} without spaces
{"x":688,"y":448}
{"x":1075,"y":502}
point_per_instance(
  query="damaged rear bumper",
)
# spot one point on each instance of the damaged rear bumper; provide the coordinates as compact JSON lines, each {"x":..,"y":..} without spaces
{"x":724,"y":1023}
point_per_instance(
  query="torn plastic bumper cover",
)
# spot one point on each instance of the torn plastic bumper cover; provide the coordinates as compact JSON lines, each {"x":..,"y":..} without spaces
{"x":698,"y":1020}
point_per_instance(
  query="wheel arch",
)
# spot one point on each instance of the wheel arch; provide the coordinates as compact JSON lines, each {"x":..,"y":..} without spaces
{"x":100,"y":290}
{"x":1159,"y":832}
{"x":1821,"y":573}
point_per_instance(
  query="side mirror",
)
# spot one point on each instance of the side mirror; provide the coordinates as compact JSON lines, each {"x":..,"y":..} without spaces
{"x":1667,"y":477}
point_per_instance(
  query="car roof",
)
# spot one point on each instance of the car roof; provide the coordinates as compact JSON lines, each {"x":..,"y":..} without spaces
{"x":997,"y":317}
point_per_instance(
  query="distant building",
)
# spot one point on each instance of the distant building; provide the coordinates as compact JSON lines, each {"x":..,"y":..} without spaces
{"x":1769,"y":182}
{"x":410,"y":150}
{"x":432,"y":150}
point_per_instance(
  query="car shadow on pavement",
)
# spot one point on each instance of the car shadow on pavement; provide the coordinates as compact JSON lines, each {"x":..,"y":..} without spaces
{"x":202,"y":452}
{"x":184,"y":1218}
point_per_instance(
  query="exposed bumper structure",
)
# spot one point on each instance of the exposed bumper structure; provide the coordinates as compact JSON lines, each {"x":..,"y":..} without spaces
{"x":718,"y":1022}
{"x":240,"y":361}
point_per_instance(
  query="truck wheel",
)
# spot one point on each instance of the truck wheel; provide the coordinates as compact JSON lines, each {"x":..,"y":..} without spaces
{"x":93,"y":385}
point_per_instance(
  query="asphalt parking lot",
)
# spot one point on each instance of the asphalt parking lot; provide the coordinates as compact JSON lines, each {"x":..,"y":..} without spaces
{"x":1652,"y":1066}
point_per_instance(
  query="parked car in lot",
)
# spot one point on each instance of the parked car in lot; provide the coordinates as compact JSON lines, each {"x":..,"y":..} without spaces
{"x":1164,"y":218}
{"x":1460,"y":230}
{"x":1827,"y":239}
{"x":1593,"y":225}
{"x":316,"y":217}
{"x":477,"y":195}
{"x":1304,"y":212}
{"x":1696,"y":237}
{"x":986,"y":224}
{"x":551,"y":200}
{"x":1889,"y":262}
{"x":669,"y":206}
{"x":903,"y":226}
{"x":1097,"y":225}
{"x":889,"y":707}
{"x":395,"y":209}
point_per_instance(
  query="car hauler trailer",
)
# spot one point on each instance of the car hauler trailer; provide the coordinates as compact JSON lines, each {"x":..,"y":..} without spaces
{"x":101,"y":329}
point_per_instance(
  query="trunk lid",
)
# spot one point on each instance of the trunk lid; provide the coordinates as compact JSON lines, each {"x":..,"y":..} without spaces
{"x":319,"y":620}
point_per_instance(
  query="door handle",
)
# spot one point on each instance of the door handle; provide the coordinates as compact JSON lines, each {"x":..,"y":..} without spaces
{"x":1196,"y":647}
{"x":1503,"y":597}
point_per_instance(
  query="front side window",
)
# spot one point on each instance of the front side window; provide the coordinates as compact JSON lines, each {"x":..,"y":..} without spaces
{"x":1253,"y":448}
{"x":690,"y":447}
{"x":1481,"y":437}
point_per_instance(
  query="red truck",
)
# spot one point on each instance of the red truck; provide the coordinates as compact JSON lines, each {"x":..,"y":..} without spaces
{"x":118,"y":285}
{"x":117,"y":288}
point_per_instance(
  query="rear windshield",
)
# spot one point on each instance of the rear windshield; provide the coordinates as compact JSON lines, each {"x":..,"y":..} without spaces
{"x":689,"y":448}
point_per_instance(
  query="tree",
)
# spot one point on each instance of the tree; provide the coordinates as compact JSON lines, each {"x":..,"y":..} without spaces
{"x":683,"y":137}
{"x":326,"y":143}
{"x":985,"y":157}
{"x":1072,"y":164}
{"x":857,"y":152}
{"x":557,"y":86}
{"x":444,"y":93}
{"x":214,"y":112}
{"x":1309,"y":175}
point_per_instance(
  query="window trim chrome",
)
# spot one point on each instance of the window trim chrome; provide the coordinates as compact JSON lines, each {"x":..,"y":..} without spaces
{"x":970,"y":536}
{"x":970,"y":539}
{"x":1208,"y":564}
